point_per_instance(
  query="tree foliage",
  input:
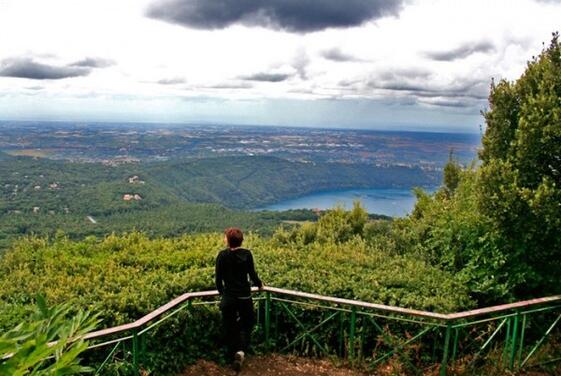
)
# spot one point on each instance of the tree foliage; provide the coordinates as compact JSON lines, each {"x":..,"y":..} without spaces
{"x":48,"y":344}
{"x":520,"y":176}
{"x":452,"y":171}
{"x":496,"y":226}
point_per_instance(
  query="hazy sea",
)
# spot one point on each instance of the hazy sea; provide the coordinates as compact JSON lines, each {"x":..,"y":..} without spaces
{"x":387,"y":201}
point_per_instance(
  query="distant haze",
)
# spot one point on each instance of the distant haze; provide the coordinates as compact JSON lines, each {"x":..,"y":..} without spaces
{"x":395,"y":65}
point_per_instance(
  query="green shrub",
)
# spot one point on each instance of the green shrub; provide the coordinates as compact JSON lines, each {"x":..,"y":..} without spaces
{"x":48,"y":343}
{"x":127,"y":276}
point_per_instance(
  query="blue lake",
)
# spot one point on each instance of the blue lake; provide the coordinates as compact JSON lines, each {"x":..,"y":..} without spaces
{"x":388,"y":201}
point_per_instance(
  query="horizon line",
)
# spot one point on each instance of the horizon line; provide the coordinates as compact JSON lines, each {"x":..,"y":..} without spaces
{"x":407,"y":129}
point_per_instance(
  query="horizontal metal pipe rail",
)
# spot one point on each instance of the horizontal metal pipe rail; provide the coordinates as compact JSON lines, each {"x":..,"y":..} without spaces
{"x":327,"y":299}
{"x":513,"y":314}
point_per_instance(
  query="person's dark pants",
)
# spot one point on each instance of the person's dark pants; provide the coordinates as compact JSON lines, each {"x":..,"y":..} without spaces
{"x":238,"y":319}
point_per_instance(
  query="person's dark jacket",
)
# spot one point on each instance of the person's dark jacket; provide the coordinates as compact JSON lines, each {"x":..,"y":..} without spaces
{"x":233,"y":267}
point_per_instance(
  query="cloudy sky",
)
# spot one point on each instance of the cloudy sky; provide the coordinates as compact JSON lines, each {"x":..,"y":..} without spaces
{"x":404,"y":64}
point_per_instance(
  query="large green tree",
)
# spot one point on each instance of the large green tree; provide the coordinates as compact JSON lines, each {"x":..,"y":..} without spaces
{"x":520,"y":175}
{"x":497,"y":225}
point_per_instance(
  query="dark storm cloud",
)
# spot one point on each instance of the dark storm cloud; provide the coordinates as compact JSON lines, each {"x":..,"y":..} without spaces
{"x":462,"y":51}
{"x":93,"y":62}
{"x":28,"y":68}
{"x":267,"y":77}
{"x":401,"y":86}
{"x":335,"y":54}
{"x":299,"y":16}
{"x":420,"y":82}
{"x":473,"y":90}
{"x":419,"y":86}
{"x":402,"y":79}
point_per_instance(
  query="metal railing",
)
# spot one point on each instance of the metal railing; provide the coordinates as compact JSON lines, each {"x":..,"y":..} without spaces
{"x":366,"y":332}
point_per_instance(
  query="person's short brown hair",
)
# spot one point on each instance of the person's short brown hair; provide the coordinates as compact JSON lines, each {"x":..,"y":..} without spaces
{"x":234,"y":236}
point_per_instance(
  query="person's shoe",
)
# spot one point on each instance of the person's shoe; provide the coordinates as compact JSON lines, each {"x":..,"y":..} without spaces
{"x":238,"y":361}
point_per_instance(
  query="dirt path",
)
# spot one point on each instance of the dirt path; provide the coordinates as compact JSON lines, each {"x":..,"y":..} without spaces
{"x":285,"y":365}
{"x":273,"y":365}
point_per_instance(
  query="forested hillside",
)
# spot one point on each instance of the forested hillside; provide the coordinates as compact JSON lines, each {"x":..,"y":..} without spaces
{"x":250,"y":182}
{"x":41,"y":196}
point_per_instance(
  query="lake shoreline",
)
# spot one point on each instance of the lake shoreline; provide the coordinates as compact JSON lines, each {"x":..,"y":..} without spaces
{"x":394,"y":202}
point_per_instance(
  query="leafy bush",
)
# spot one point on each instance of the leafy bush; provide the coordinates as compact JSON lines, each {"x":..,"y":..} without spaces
{"x":127,"y":276}
{"x":447,"y":230}
{"x":48,"y":344}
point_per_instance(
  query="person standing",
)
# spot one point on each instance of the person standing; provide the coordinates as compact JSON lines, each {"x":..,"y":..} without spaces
{"x":234,"y":269}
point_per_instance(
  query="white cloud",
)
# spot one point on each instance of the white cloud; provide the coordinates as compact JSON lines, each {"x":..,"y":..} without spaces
{"x":435,"y":56}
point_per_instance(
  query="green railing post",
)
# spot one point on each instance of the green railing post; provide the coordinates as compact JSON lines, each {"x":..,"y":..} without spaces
{"x":267,"y":320}
{"x":361,"y":339}
{"x":352,"y":330}
{"x":259,"y":319}
{"x":434,"y":341}
{"x":341,"y":333}
{"x":124,"y":349}
{"x":507,"y":340}
{"x":455,"y":344}
{"x":521,"y":346}
{"x":444,"y":364}
{"x":514,"y":341}
{"x":276,"y":313}
{"x":135,"y":351}
{"x":143,"y":347}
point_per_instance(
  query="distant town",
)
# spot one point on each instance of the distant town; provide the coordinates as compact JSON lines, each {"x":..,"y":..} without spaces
{"x":115,"y":143}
